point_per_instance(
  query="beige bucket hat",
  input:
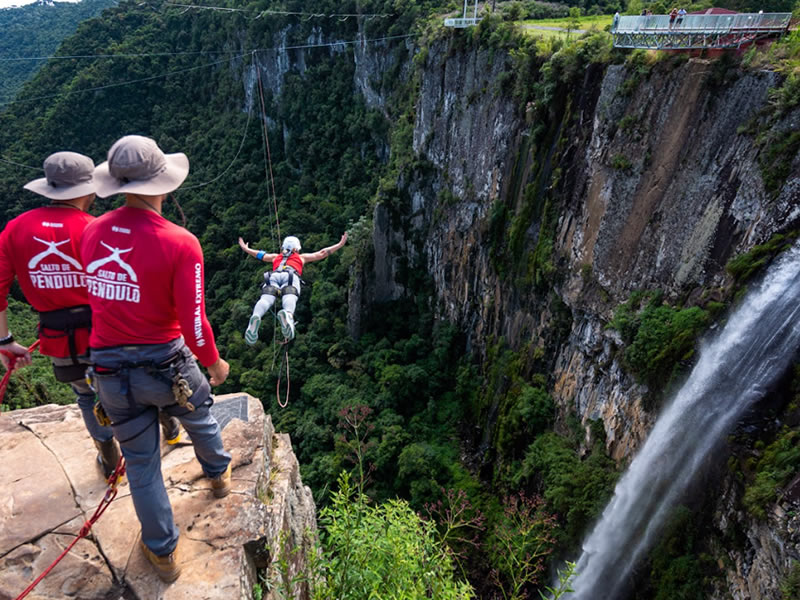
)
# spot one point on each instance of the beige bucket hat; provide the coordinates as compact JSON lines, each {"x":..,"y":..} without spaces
{"x":67,"y":175}
{"x":136,"y":165}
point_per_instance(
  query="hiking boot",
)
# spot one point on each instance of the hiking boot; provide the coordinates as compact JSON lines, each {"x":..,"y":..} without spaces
{"x":221,"y":484}
{"x":171,"y":428}
{"x":286,"y":320}
{"x":167,"y":567}
{"x":251,"y":334}
{"x":108,"y":456}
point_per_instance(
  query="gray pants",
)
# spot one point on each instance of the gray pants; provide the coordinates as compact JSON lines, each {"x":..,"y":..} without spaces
{"x":85,"y":397}
{"x":288,"y":302}
{"x":131,"y":397}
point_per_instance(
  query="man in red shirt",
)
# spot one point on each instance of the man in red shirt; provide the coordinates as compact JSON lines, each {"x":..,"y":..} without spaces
{"x":146,"y":288}
{"x":284,"y":281}
{"x":40,"y":249}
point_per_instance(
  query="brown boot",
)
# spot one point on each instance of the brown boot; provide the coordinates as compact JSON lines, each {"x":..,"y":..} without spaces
{"x":108,"y":456}
{"x":167,"y":567}
{"x":221,"y":485}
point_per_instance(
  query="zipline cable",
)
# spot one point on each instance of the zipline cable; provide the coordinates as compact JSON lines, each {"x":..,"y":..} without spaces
{"x":237,"y":53}
{"x":16,"y":164}
{"x":113,"y":85}
{"x":281,"y":12}
{"x":239,"y":151}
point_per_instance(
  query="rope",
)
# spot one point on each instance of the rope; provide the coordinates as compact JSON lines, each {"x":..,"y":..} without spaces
{"x":285,"y":360}
{"x":111,"y":493}
{"x":268,"y":154}
{"x":241,"y":145}
{"x":271,"y":179}
{"x":12,"y":361}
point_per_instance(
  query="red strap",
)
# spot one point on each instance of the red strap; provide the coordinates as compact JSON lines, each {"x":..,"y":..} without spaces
{"x":111,"y":493}
{"x":12,"y":360}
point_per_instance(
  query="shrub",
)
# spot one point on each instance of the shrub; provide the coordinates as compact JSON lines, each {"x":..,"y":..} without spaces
{"x":743,"y":267}
{"x":775,"y":468}
{"x":621,"y":162}
{"x":367,"y":550}
{"x":660,"y":337}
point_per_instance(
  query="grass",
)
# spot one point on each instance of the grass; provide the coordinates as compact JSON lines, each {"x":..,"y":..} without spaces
{"x":597,"y":21}
{"x":590,"y":22}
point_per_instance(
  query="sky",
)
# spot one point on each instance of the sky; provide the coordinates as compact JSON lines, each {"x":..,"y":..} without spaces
{"x":7,"y":3}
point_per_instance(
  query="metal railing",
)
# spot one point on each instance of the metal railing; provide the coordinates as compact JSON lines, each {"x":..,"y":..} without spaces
{"x":461,"y":22}
{"x":712,"y":24}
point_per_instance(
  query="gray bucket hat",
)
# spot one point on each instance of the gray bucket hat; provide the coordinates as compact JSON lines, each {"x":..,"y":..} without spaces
{"x":136,"y":165}
{"x":68,"y":175}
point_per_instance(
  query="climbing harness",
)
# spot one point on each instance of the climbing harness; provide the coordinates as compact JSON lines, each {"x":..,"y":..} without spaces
{"x":12,"y":361}
{"x":113,"y":483}
{"x":66,"y":322}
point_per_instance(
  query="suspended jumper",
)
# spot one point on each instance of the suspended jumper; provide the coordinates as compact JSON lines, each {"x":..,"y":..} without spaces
{"x":284,"y":281}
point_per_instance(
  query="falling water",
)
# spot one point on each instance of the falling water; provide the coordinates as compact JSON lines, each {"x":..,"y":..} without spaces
{"x":734,"y":371}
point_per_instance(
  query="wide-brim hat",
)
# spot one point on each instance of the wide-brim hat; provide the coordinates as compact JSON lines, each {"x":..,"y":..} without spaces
{"x":68,"y":175}
{"x":136,"y":165}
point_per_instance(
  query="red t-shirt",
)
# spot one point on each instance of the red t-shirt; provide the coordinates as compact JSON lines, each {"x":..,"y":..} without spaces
{"x":146,"y":282}
{"x":41,"y":249}
{"x":293,"y":261}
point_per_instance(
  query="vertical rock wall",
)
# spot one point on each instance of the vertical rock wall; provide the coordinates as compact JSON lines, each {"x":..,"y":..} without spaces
{"x":660,"y":185}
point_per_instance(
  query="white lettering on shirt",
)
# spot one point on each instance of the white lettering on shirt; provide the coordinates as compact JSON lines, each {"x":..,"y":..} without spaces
{"x":50,"y":224}
{"x":198,"y":300}
{"x":113,"y":285}
{"x":117,"y":229}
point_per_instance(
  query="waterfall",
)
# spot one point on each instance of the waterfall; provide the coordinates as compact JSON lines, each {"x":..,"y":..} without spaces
{"x":734,"y":370}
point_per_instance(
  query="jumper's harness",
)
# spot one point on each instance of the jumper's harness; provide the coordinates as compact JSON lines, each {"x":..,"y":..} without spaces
{"x":288,"y":290}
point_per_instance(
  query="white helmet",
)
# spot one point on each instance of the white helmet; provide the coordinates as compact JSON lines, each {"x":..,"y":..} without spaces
{"x":290,"y":244}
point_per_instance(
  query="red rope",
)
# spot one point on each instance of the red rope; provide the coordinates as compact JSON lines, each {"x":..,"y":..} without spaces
{"x":111,"y":493}
{"x":12,"y":361}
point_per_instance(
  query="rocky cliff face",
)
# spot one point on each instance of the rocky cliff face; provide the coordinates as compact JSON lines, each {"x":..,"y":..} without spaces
{"x":657,"y":183}
{"x":51,"y":485}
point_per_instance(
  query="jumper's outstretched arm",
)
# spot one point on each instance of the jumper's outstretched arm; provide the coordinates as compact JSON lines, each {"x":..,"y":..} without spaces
{"x":266,"y":257}
{"x":325,"y":252}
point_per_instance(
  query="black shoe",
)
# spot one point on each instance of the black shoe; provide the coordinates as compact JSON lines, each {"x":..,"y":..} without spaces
{"x":108,"y":456}
{"x":171,"y":428}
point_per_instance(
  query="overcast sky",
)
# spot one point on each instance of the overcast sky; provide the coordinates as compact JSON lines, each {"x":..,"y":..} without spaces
{"x":7,"y":3}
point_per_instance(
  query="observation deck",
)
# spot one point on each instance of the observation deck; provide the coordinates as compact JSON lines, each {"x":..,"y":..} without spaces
{"x":461,"y":22}
{"x":723,"y":31}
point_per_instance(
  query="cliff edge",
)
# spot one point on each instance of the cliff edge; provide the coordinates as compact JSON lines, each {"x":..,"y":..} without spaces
{"x":52,"y":484}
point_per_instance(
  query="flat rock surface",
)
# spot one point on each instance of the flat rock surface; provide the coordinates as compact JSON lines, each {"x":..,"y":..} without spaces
{"x":51,"y":484}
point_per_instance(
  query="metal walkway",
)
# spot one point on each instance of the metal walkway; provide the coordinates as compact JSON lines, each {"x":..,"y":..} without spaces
{"x":697,"y":31}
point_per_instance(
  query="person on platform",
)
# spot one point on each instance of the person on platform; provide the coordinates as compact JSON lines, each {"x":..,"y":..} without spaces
{"x":145,"y":277}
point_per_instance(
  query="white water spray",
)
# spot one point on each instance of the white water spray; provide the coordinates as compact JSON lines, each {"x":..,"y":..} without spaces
{"x":734,"y":371}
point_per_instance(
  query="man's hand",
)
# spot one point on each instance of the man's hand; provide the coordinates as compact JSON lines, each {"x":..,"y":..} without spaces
{"x":219,"y":372}
{"x":243,"y":245}
{"x":343,"y":240}
{"x":21,"y":352}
